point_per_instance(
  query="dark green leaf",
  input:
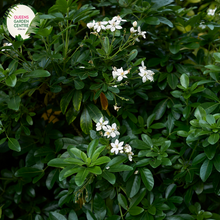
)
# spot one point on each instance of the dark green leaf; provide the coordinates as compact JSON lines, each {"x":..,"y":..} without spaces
{"x":99,"y":207}
{"x":122,"y":201}
{"x":78,"y":84}
{"x":72,"y":215}
{"x":65,"y":101}
{"x":51,"y":178}
{"x":160,"y":109}
{"x":85,"y":121}
{"x":14,"y":144}
{"x":174,"y":48}
{"x":38,"y":73}
{"x":56,"y":216}
{"x":172,"y":80}
{"x":170,"y":190}
{"x":135,"y":210}
{"x":14,"y":103}
{"x":91,"y":148}
{"x":11,"y":80}
{"x":206,"y":170}
{"x":213,"y":138}
{"x":152,"y":20}
{"x":94,"y":112}
{"x":109,"y":176}
{"x":133,"y":185}
{"x":77,"y":98}
{"x":81,"y":176}
{"x":28,"y":172}
{"x":184,"y":80}
{"x":147,"y":178}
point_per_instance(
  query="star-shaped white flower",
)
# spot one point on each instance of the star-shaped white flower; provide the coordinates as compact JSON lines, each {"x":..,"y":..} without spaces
{"x":100,"y":25}
{"x":146,"y":75}
{"x":132,"y":30}
{"x":91,"y":24}
{"x":114,"y":130}
{"x":211,"y":12}
{"x":114,"y":72}
{"x":121,"y":74}
{"x":118,"y":18}
{"x":141,"y":33}
{"x":117,"y":147}
{"x":143,"y":67}
{"x":101,"y":124}
{"x":113,"y":25}
{"x":107,"y":131}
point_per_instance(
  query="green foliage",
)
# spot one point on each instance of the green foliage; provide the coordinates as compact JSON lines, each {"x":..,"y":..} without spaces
{"x":106,"y":120}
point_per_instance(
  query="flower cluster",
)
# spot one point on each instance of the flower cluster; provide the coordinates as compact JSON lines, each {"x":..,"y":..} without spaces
{"x":6,"y":45}
{"x":113,"y":25}
{"x":111,"y":132}
{"x":139,"y":32}
{"x":145,"y":74}
{"x":211,"y":11}
{"x":119,"y":74}
{"x":118,"y":147}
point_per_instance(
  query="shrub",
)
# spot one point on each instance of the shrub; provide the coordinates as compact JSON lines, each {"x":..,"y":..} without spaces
{"x":111,"y":111}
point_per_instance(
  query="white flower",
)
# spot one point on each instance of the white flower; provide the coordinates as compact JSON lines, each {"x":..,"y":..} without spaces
{"x":134,"y":24}
{"x":114,"y":72}
{"x":118,"y":18}
{"x":202,"y":25}
{"x":211,"y":11}
{"x":114,"y":130}
{"x":130,"y":156}
{"x":91,"y":24}
{"x":101,"y":124}
{"x":6,"y":45}
{"x":113,"y":25}
{"x":141,"y":33}
{"x":107,"y":131}
{"x":146,"y":74}
{"x":81,"y":67}
{"x":117,"y":147}
{"x":116,"y":108}
{"x":100,"y":25}
{"x":107,"y":168}
{"x":121,"y":74}
{"x":132,"y":30}
{"x":127,"y":148}
{"x":143,"y":67}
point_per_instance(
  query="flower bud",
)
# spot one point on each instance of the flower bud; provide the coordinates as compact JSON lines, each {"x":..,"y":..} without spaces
{"x":134,"y":24}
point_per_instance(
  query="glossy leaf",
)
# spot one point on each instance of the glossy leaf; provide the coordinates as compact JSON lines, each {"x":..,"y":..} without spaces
{"x":147,"y":178}
{"x":206,"y":170}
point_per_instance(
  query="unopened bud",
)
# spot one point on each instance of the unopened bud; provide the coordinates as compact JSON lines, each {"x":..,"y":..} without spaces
{"x":134,"y":24}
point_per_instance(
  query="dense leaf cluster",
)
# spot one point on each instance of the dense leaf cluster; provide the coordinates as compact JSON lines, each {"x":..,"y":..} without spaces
{"x":58,"y":86}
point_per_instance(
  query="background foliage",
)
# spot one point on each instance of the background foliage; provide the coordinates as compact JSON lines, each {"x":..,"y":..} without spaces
{"x":57,"y":85}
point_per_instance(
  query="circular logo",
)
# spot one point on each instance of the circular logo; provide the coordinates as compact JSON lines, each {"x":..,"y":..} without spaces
{"x":18,"y":20}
